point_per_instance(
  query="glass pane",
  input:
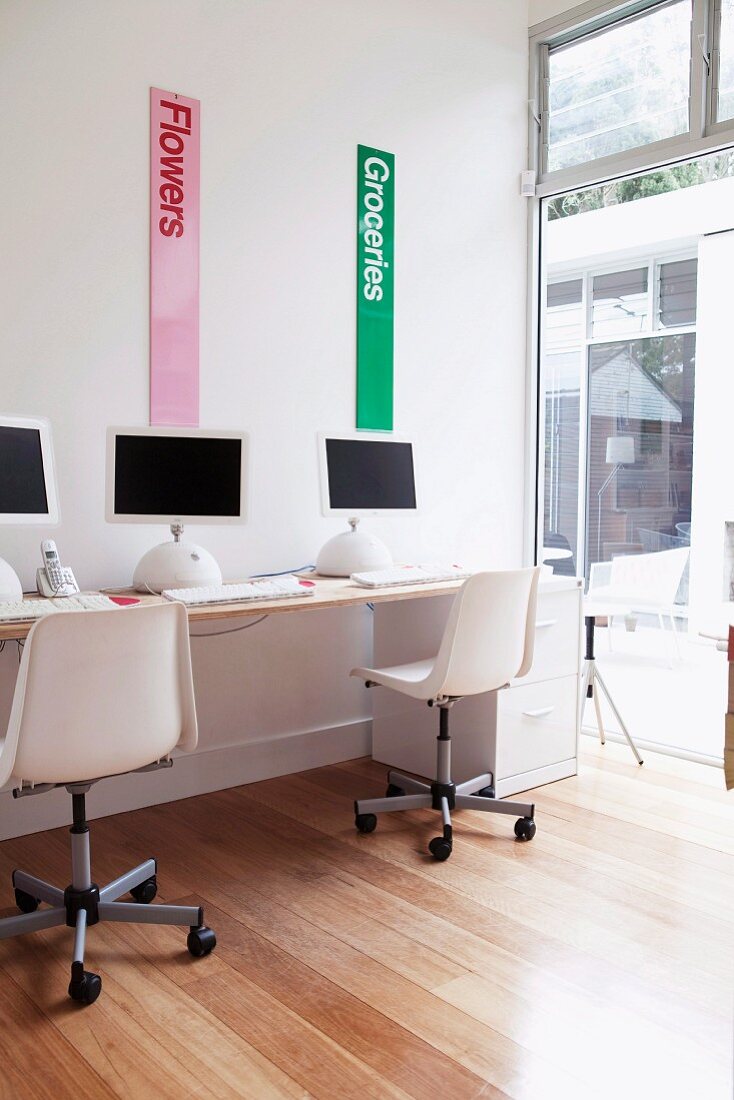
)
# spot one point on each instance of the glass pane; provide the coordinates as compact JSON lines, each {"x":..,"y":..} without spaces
{"x":562,"y":365}
{"x":622,"y":428}
{"x":640,"y":446}
{"x":563,"y":319}
{"x":621,"y":88}
{"x":618,"y":192}
{"x":564,"y":294}
{"x":678,"y":293}
{"x":725,"y":108}
{"x":619,"y":303}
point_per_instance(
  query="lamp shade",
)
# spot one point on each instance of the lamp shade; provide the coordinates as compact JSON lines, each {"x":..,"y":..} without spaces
{"x":620,"y":449}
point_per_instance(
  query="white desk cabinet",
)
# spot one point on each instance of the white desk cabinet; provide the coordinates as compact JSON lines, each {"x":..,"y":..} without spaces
{"x":525,"y":735}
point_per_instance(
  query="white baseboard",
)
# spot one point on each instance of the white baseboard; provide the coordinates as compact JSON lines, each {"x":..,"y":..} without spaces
{"x":192,"y":774}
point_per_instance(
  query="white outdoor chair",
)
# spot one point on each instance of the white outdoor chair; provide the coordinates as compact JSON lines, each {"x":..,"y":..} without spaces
{"x":99,"y":693}
{"x":488,"y":641}
{"x":641,"y":582}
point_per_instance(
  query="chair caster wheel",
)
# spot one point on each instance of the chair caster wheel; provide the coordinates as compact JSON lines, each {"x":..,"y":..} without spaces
{"x":393,"y":791}
{"x":525,"y":828}
{"x":486,"y":792}
{"x":440,"y":848}
{"x":26,"y":902}
{"x":366,"y":823}
{"x":146,"y":891}
{"x":85,"y":988}
{"x":201,"y":941}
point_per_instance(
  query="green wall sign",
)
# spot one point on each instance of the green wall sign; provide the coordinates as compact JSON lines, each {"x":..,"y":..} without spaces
{"x":375,"y":284}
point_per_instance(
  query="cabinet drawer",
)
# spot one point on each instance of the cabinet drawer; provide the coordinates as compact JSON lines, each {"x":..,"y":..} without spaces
{"x":536,"y":725}
{"x":557,"y":636}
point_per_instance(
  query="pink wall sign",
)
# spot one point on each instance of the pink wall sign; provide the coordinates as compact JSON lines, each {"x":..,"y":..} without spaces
{"x":174,"y":259}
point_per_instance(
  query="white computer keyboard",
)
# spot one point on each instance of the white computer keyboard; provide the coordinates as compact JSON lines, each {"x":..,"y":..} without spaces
{"x":269,"y":588}
{"x":410,"y":574}
{"x":24,"y":610}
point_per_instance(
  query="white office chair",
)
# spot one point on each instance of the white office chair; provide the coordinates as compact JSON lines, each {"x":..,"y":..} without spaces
{"x":99,"y":693}
{"x":488,"y":641}
{"x":641,"y":582}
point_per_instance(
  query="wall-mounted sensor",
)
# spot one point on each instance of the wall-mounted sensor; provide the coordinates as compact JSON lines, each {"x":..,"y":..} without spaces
{"x":527,"y":185}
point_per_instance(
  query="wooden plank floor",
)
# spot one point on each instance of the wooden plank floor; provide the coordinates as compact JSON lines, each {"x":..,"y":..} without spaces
{"x":596,"y":961}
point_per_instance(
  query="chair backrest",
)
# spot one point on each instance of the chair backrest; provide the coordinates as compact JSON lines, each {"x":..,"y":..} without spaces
{"x":100,"y":693}
{"x":490,"y":634}
{"x":649,"y":578}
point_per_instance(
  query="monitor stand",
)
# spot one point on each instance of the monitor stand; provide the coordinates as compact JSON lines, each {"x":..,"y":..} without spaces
{"x":352,"y":551}
{"x":10,"y":586}
{"x":176,"y":564}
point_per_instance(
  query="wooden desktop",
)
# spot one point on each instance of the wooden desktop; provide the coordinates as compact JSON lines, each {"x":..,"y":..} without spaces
{"x":329,"y":592}
{"x":524,"y":736}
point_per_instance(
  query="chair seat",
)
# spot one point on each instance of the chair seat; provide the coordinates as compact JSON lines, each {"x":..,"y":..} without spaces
{"x":413,"y":679}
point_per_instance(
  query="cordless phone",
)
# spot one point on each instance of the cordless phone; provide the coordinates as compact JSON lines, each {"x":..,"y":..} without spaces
{"x":53,"y":578}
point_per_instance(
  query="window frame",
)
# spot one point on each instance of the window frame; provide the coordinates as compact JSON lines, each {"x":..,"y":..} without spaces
{"x":715,"y":124}
{"x":705,"y":133}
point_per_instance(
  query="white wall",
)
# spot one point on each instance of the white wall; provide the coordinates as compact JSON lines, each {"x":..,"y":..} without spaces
{"x":287,"y":91}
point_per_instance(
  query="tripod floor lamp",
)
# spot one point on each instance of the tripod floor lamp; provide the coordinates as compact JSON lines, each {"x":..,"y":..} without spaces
{"x":592,"y":681}
{"x":620,"y":452}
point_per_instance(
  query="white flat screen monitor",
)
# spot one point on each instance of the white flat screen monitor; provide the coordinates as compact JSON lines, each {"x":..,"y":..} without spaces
{"x":366,"y":473}
{"x":176,"y":475}
{"x":27,"y":482}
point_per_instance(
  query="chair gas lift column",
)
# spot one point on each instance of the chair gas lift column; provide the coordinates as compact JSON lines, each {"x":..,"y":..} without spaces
{"x":593,"y":678}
